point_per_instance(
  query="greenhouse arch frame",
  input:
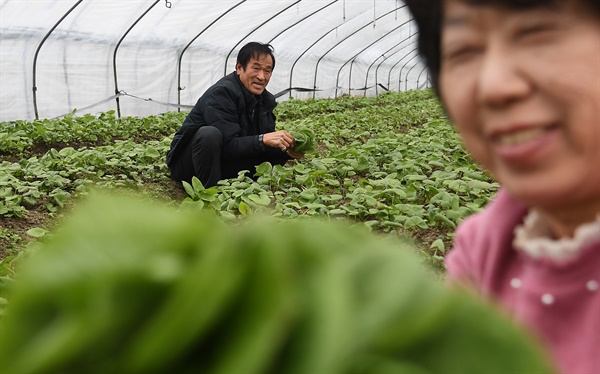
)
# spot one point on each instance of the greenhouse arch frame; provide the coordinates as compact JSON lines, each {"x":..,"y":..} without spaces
{"x":145,"y":57}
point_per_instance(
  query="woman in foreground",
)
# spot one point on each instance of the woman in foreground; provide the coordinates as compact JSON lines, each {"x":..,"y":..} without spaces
{"x":521,"y":82}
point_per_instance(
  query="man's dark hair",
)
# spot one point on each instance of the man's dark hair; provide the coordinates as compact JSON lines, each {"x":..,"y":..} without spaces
{"x":254,"y":50}
{"x":428,"y":15}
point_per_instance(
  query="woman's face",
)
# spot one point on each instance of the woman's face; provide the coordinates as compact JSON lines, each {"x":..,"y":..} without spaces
{"x":523,"y":89}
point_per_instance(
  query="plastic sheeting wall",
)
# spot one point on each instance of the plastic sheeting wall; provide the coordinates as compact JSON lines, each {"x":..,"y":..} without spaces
{"x":57,"y":56}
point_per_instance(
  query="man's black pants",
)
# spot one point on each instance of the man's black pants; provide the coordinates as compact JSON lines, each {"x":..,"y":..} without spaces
{"x":201,"y":157}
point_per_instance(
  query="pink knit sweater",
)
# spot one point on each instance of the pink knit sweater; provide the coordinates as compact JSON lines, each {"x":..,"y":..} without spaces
{"x":558,"y":300}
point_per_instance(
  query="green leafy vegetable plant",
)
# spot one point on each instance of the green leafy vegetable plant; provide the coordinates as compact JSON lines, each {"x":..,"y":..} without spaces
{"x":304,"y":140}
{"x":131,"y":286}
{"x":392,"y":162}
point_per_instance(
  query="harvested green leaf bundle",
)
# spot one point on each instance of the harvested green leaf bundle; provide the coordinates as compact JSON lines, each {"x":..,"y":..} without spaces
{"x":304,"y":140}
{"x":130,"y":287}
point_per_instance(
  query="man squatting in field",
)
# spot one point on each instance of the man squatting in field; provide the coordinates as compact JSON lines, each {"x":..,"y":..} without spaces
{"x":232,"y":126}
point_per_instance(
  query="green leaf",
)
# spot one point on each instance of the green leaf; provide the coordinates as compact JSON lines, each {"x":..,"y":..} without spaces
{"x":445,"y":219}
{"x":308,"y":195}
{"x":244,"y":209}
{"x":152,"y":153}
{"x":438,"y":244}
{"x":264,"y":169}
{"x":197,"y":184}
{"x":480,"y":185}
{"x":189,"y":189}
{"x":415,"y":221}
{"x":37,"y":232}
{"x":304,"y":140}
{"x":262,"y":199}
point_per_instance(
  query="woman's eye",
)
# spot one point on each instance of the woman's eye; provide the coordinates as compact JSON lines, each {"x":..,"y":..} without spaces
{"x":462,"y":53}
{"x":534,"y":31}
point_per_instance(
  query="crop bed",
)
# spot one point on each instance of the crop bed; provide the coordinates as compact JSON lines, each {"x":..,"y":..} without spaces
{"x":392,"y":162}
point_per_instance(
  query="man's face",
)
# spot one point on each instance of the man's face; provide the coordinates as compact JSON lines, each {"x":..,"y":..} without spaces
{"x":257,"y":73}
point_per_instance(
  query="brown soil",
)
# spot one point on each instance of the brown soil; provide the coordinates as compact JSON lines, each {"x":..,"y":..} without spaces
{"x":168,"y":191}
{"x":19,"y":227}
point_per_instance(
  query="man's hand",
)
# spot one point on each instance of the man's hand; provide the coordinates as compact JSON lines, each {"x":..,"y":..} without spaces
{"x":279,"y":139}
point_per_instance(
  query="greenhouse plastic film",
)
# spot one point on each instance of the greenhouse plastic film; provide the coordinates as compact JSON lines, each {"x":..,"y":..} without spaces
{"x":144,"y":57}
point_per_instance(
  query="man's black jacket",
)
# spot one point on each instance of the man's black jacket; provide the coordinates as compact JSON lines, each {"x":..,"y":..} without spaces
{"x":230,"y":107}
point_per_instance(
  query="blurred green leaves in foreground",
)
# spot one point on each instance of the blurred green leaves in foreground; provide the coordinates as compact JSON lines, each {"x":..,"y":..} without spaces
{"x":130,"y":286}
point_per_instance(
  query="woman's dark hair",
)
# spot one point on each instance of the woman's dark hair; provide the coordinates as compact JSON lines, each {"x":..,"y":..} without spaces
{"x":254,"y":50}
{"x":428,"y":15}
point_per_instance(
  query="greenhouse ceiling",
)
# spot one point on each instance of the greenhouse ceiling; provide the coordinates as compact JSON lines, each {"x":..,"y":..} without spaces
{"x":144,"y":57}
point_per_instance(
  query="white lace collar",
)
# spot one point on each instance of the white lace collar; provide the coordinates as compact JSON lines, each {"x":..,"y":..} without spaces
{"x":534,"y":238}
